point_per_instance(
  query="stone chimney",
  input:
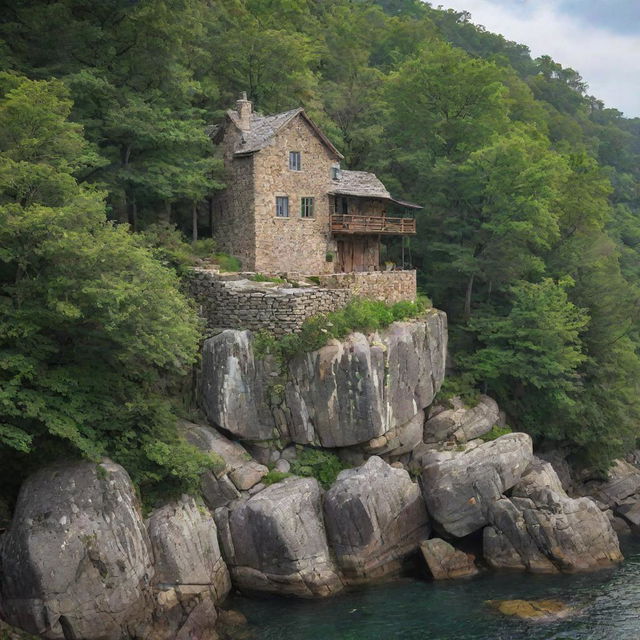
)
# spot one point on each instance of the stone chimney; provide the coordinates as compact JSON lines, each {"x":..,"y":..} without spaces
{"x":244,"y":109}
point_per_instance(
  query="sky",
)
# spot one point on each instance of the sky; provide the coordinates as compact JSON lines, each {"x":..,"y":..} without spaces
{"x":598,"y":38}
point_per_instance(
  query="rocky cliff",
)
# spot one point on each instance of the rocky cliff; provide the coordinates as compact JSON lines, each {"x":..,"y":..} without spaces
{"x":347,"y":393}
{"x":79,"y":561}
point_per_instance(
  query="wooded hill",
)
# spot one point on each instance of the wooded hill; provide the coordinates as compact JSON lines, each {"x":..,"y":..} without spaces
{"x":530,"y":236}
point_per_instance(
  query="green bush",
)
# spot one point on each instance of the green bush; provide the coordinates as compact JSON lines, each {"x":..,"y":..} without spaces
{"x":204,"y":247}
{"x":496,"y":432}
{"x":167,"y":246}
{"x":260,"y":277}
{"x":227,"y":262}
{"x":324,"y":466}
{"x":275,"y":476}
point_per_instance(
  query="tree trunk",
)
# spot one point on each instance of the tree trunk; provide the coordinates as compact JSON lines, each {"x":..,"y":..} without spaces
{"x":194,"y":222}
{"x":467,"y":298}
{"x":165,"y":216}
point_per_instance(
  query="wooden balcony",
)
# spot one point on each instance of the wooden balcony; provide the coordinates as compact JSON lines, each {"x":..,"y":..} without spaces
{"x":343,"y":223}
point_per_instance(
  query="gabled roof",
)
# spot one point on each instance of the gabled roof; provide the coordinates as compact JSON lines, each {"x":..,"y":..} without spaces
{"x":363,"y":184}
{"x":265,"y":128}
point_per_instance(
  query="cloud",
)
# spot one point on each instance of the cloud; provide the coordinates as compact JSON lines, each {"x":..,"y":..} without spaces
{"x":607,"y":58}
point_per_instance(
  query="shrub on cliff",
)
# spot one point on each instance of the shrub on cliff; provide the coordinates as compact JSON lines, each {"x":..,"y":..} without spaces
{"x":93,"y":329}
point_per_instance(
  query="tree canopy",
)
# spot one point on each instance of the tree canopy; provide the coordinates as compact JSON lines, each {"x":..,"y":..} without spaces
{"x":530,"y":236}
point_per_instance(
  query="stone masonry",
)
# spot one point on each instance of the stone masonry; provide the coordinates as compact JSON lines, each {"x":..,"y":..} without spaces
{"x":386,"y":286}
{"x":294,"y":243}
{"x":242,"y":304}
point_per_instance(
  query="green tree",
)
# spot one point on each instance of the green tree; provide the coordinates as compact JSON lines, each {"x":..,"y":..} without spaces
{"x":93,"y":330}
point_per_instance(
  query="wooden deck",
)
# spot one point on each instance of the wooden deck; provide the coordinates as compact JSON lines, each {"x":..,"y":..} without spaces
{"x":343,"y":223}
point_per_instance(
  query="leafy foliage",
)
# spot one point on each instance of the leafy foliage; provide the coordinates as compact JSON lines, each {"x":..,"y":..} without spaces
{"x":322,"y":465}
{"x":93,"y":329}
{"x":275,"y":476}
{"x":495,"y":433}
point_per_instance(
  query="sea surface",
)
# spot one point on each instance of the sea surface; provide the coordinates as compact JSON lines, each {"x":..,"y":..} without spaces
{"x":608,"y":605}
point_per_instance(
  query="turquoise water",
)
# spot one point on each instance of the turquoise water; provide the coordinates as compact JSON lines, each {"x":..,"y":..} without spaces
{"x":609,"y":603}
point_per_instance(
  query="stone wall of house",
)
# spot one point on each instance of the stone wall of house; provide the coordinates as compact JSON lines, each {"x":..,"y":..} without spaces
{"x":233,"y":209}
{"x":242,"y":304}
{"x":294,"y":244}
{"x":388,"y":286}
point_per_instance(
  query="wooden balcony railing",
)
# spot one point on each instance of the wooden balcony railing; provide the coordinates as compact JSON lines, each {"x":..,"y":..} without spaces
{"x":343,"y":223}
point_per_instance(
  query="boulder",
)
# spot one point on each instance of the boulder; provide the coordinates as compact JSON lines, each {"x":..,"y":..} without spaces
{"x":76,"y":560}
{"x":546,"y":531}
{"x":460,"y":486}
{"x":185,"y":546}
{"x":275,"y":541}
{"x":358,"y":389}
{"x":539,"y":610}
{"x":397,"y":442}
{"x":462,"y":423}
{"x":236,"y":470}
{"x":375,"y":516}
{"x":540,"y":474}
{"x":446,"y":562}
{"x":233,"y":386}
{"x":622,"y":482}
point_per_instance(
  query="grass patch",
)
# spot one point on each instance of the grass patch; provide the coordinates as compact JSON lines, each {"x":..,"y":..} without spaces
{"x":260,"y":277}
{"x":496,"y":432}
{"x":227,"y":262}
{"x":324,"y":466}
{"x":275,"y":476}
{"x":358,"y":315}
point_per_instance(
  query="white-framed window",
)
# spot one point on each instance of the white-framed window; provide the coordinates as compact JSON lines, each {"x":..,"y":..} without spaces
{"x":282,"y":206}
{"x":295,"y":161}
{"x":306,"y":207}
{"x":335,"y":172}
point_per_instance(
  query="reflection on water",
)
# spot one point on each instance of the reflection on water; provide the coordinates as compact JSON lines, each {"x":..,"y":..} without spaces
{"x":609,"y":603}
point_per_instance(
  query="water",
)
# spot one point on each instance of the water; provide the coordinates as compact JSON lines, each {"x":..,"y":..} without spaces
{"x":609,"y":604}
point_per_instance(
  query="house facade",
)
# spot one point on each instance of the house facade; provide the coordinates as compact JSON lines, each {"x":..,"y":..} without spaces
{"x":289,"y":207}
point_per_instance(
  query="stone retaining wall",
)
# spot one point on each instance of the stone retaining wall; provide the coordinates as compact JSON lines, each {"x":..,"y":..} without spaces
{"x":388,"y":286}
{"x":242,"y":304}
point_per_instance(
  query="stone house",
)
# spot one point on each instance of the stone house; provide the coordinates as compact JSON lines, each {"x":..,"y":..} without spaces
{"x":289,"y":207}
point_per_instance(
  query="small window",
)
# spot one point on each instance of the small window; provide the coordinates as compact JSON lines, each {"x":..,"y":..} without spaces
{"x":335,"y":173}
{"x":295,"y":161}
{"x":341,"y":205}
{"x":282,"y":206}
{"x":306,"y":207}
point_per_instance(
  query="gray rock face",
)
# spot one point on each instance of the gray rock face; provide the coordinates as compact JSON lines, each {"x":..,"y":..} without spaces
{"x":347,"y":393}
{"x":352,"y":391}
{"x":445,"y":562}
{"x":461,"y":423}
{"x":233,"y":385}
{"x":238,"y":472}
{"x":275,"y":542}
{"x":375,"y":517}
{"x":76,"y":560}
{"x":546,"y":531}
{"x":623,"y":481}
{"x":460,"y":487}
{"x":185,"y":546}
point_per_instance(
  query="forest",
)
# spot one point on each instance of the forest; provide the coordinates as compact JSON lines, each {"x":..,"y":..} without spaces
{"x":529,"y":238}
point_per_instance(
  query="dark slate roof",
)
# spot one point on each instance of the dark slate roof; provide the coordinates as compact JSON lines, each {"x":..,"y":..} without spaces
{"x":264,"y":129}
{"x":363,"y":184}
{"x":360,"y":183}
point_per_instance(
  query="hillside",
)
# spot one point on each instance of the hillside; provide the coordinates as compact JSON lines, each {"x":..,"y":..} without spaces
{"x":530,"y":235}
